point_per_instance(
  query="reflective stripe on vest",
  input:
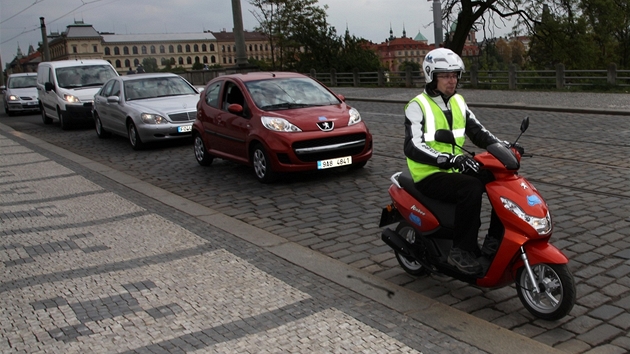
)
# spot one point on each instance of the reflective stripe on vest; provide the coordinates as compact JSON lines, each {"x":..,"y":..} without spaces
{"x":435,"y":119}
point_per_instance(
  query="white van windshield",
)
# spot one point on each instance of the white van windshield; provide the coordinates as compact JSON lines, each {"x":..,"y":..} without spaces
{"x":83,"y":76}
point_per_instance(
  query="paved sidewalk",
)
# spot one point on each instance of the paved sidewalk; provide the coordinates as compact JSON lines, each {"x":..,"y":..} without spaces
{"x":556,"y":101}
{"x":95,"y":260}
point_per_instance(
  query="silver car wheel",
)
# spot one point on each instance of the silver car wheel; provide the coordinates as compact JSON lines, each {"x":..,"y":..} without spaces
{"x":260,"y":164}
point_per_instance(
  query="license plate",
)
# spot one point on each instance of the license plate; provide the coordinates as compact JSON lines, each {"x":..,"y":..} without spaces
{"x":184,"y":128}
{"x":340,"y":161}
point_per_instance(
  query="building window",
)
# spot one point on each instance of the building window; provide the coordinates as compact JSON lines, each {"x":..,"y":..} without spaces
{"x":136,"y":62}
{"x":223,"y":48}
{"x":144,"y":49}
{"x":118,"y":63}
{"x":74,"y":49}
{"x":127,"y":63}
{"x":203,"y":48}
{"x":171,"y":49}
{"x":188,"y":60}
{"x":116,"y":51}
{"x":125,"y":50}
{"x":181,"y":61}
{"x":212,"y":47}
{"x":224,"y":60}
{"x":163,"y":61}
{"x":205,"y":59}
{"x":187,"y":48}
{"x":95,"y":49}
{"x":179,"y":48}
{"x":134,"y":50}
{"x":107,"y":52}
{"x":213,"y":60}
{"x":196,"y":48}
{"x":250,"y":47}
{"x":229,"y":49}
{"x":162,"y":51}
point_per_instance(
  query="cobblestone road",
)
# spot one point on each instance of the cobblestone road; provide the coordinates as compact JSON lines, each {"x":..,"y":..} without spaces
{"x":90,"y":266}
{"x":580,"y":165}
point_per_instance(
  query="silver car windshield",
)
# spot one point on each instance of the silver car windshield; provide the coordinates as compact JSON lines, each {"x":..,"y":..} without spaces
{"x":157,"y":87}
{"x":82,"y":76}
{"x":274,"y":94}
{"x":22,"y":82}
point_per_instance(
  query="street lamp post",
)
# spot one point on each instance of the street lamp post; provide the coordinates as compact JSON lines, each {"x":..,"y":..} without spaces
{"x":239,"y":35}
{"x":437,"y":22}
{"x":45,"y":50}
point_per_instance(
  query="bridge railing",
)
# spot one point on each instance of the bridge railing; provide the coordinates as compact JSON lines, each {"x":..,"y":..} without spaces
{"x":511,"y":79}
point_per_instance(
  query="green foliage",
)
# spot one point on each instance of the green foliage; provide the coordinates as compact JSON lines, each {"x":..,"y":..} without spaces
{"x":197,"y":66}
{"x":409,"y":64}
{"x":150,"y":65}
{"x":301,"y":38}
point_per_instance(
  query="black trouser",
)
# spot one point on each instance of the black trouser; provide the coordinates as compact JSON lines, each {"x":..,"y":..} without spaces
{"x":466,"y":191}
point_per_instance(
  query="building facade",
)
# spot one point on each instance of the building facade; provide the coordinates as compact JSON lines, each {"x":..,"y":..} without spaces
{"x":394,"y":52}
{"x":124,"y":51}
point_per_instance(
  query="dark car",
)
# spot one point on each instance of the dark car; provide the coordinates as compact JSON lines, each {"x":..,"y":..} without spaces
{"x":278,"y":122}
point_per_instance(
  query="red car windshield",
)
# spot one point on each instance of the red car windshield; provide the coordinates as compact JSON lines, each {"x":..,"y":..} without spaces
{"x":273,"y":94}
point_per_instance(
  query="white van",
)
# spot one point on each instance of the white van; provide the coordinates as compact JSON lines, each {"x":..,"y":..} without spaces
{"x":66,"y":89}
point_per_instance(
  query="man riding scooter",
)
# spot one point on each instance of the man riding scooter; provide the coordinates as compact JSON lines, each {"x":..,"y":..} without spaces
{"x":441,"y":171}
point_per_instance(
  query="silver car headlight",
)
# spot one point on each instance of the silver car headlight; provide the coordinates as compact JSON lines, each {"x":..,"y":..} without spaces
{"x":279,"y":125}
{"x":541,"y":225}
{"x":71,"y":98}
{"x":13,"y":98}
{"x":355,"y":117}
{"x":150,"y":118}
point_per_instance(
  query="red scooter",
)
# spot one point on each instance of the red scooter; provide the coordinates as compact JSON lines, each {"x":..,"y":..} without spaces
{"x":516,"y":249}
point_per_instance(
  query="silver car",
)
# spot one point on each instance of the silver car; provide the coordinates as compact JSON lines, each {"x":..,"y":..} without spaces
{"x":146,"y":108}
{"x":21,"y":94}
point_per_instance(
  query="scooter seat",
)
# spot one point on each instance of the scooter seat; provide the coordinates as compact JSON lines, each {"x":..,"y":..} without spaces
{"x":443,"y":211}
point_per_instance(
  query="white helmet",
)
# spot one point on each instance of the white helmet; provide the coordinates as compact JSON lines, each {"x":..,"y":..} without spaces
{"x":442,"y":60}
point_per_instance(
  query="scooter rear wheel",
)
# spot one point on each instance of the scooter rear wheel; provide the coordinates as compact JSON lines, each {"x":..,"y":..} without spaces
{"x":409,"y":265}
{"x":557,"y":287}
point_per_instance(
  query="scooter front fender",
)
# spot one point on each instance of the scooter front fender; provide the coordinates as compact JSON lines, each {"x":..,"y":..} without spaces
{"x":540,"y":251}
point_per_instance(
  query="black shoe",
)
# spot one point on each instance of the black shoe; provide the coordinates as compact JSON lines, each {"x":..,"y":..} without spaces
{"x":464,"y":261}
{"x":490,"y":246}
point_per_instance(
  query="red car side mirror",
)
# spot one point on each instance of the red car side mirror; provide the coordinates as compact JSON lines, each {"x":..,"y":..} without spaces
{"x":235,"y":108}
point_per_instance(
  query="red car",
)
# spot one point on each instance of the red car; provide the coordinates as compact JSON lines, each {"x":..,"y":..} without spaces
{"x":278,"y":122}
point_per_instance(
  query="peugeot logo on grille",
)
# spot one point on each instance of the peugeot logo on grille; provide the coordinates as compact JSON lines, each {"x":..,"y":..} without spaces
{"x":326,"y":126}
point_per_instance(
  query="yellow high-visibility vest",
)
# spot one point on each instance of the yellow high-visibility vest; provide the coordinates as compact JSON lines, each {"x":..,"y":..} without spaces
{"x":435,"y":119}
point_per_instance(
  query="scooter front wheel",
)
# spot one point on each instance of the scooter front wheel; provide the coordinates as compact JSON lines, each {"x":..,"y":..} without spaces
{"x":409,"y":265}
{"x":557,"y":290}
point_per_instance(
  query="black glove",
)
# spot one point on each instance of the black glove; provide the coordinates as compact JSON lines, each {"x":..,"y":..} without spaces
{"x":519,"y":148}
{"x":464,"y":164}
{"x":516,"y":146}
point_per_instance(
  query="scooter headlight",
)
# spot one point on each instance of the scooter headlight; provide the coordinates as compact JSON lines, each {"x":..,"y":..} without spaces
{"x":541,"y":225}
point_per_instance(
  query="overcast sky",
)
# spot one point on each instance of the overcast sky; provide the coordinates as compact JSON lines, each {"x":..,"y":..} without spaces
{"x":370,"y":19}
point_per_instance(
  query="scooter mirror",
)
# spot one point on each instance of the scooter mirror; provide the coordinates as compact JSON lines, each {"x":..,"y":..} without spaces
{"x":524,"y":124}
{"x":445,"y":136}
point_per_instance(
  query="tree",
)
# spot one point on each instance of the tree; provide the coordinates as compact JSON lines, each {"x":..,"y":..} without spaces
{"x":563,"y":37}
{"x":301,"y":38}
{"x":150,"y":65}
{"x":470,"y":14}
{"x":288,"y":25}
{"x":610,"y":23}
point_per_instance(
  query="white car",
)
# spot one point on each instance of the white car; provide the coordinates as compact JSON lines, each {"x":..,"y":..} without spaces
{"x":146,"y":108}
{"x":21,"y":94}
